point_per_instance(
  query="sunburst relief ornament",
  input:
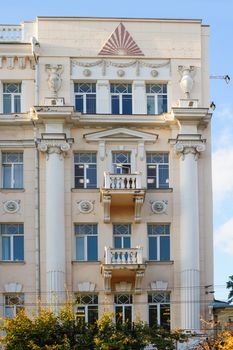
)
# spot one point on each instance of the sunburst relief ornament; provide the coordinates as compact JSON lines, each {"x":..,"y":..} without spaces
{"x":121,"y":43}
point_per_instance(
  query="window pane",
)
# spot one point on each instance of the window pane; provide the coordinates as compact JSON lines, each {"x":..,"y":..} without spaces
{"x":80,"y":248}
{"x":79,"y":103}
{"x":6,"y":248}
{"x":162,"y":104}
{"x":92,"y":314}
{"x":151,"y":176}
{"x":91,"y":176}
{"x":79,"y":176}
{"x":9,"y":311}
{"x":18,"y":248}
{"x":165,"y":316}
{"x":6,"y":103}
{"x":91,"y":103}
{"x":115,"y":105}
{"x":17,"y":104}
{"x":152,"y":248}
{"x":92,"y":254}
{"x":18,"y":175}
{"x":163,"y":176}
{"x":117,"y":242}
{"x":126,"y":104}
{"x":7,"y":176}
{"x":150,"y":105}
{"x":128,"y":314}
{"x":119,"y":314}
{"x":153,"y":321}
{"x":126,"y":242}
{"x":164,"y":248}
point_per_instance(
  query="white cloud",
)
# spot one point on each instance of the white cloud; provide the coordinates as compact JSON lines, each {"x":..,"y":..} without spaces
{"x":224,"y":237}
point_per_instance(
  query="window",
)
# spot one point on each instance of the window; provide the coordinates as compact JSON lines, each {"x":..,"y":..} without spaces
{"x":12,"y":237}
{"x":85,"y":170}
{"x":121,"y":162}
{"x":85,"y":97}
{"x":159,"y":309}
{"x":86,"y":242}
{"x":121,"y":98}
{"x":87,"y":307}
{"x":123,"y":308}
{"x":12,"y":170}
{"x":121,"y":235}
{"x":13,"y":303}
{"x":157,"y":170}
{"x":156,"y":95}
{"x":11,"y":97}
{"x":159,"y":241}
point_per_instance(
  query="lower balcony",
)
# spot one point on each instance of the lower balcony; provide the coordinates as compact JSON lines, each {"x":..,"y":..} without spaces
{"x":123,"y":266}
{"x":122,"y":190}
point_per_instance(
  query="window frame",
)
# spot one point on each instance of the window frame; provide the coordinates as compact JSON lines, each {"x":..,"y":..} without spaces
{"x":155,"y":96}
{"x":87,"y":306}
{"x":84,"y":97}
{"x":13,"y":95}
{"x":123,"y":305}
{"x":15,"y":307}
{"x":85,"y":241}
{"x":85,"y":167}
{"x":157,"y":166}
{"x":121,"y":95}
{"x":159,"y":306}
{"x":120,"y":166}
{"x":11,"y":237}
{"x":158,"y":238}
{"x":13,"y":171}
{"x":122,"y":236}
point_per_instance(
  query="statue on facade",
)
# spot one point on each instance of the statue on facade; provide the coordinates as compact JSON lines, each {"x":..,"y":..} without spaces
{"x":54,"y":77}
{"x":186,"y":82}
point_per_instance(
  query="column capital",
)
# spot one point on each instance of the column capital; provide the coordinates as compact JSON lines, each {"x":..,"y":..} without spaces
{"x":54,"y":143}
{"x":188,"y":144}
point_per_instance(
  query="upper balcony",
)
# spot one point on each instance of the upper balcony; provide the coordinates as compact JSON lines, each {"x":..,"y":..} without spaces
{"x":120,"y":190}
{"x":17,"y":33}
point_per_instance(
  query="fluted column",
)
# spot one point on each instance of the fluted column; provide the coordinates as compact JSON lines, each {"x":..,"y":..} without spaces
{"x":55,"y":219}
{"x":189,"y":151}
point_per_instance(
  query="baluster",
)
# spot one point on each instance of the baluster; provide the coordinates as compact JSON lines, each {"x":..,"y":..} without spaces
{"x":134,"y":183}
{"x":134,"y":257}
{"x":123,"y":257}
{"x":118,"y":257}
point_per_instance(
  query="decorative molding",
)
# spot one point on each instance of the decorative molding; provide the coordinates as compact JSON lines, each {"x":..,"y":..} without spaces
{"x":87,"y":72}
{"x":189,"y":147}
{"x":121,"y":43}
{"x":54,"y":78}
{"x":85,"y":206}
{"x":86,"y":287}
{"x":138,"y":281}
{"x":139,"y":200}
{"x":11,"y":206}
{"x":154,"y":73}
{"x":102,"y":151}
{"x":159,"y":206}
{"x":141,"y":150}
{"x":186,"y":83}
{"x":13,"y":287}
{"x":120,"y":73}
{"x":50,"y":146}
{"x":159,"y":285}
{"x":0,"y":62}
{"x":107,"y":281}
{"x":14,"y":62}
{"x":107,"y":205}
{"x":123,"y":286}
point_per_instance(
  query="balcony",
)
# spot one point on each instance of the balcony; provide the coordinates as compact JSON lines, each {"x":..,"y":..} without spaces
{"x":121,"y":190}
{"x":10,"y":33}
{"x":125,"y":266}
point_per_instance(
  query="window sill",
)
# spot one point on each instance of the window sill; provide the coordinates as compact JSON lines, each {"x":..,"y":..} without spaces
{"x":15,"y":190}
{"x":85,"y":190}
{"x":153,"y":262}
{"x":21,"y":262}
{"x":85,"y":262}
{"x":161,"y":190}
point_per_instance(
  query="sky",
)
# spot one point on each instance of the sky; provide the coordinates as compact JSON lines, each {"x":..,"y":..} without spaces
{"x":219,"y":15}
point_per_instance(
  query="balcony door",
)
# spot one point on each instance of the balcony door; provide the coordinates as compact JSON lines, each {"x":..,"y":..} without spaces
{"x":121,"y":162}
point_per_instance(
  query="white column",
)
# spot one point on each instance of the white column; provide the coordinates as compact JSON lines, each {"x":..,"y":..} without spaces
{"x":55,"y":221}
{"x":189,"y":236}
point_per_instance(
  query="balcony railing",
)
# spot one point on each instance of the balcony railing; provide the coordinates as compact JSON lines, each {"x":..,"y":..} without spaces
{"x":10,"y":33}
{"x":122,"y":181}
{"x":123,"y":256}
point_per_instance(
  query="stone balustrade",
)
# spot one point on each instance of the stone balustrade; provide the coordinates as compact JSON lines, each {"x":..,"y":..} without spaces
{"x":122,"y":181}
{"x":10,"y":33}
{"x":116,"y":256}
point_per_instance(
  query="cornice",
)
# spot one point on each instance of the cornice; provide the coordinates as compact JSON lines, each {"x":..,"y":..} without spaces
{"x":17,"y":143}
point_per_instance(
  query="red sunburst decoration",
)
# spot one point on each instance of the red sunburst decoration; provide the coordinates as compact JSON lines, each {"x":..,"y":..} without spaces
{"x":121,"y":43}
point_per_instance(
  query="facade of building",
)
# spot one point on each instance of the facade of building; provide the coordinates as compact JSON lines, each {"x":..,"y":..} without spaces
{"x":105,"y":147}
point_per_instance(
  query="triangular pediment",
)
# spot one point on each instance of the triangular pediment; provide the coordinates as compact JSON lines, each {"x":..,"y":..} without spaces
{"x":120,"y":43}
{"x":119,"y":134}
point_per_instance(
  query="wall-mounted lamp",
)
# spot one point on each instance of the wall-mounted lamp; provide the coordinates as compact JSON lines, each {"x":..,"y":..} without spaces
{"x":224,"y":77}
{"x":213,"y":105}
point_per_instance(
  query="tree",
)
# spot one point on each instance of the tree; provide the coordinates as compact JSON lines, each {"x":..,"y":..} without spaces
{"x":230,"y":286}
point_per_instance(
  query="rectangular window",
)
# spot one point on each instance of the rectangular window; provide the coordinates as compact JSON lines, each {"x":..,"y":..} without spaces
{"x":157,"y":170}
{"x":85,"y":170}
{"x":156,"y":98}
{"x":12,"y":170}
{"x":87,"y":307}
{"x":12,"y":237}
{"x":159,"y":242}
{"x":121,"y":162}
{"x":121,"y":235}
{"x":86,"y":236}
{"x":85,"y":97}
{"x":159,"y":309}
{"x":121,"y":98}
{"x":13,"y":303}
{"x":123,"y":308}
{"x":12,"y":242}
{"x":11,"y":98}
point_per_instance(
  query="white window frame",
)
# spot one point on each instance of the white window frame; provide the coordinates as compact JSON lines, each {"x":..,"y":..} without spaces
{"x":13,"y":94}
{"x":84,"y":94}
{"x":155,"y":96}
{"x":11,"y":236}
{"x":85,"y":242}
{"x":86,"y":166}
{"x":159,"y":304}
{"x":120,"y":94}
{"x":86,"y":306}
{"x":158,"y":238}
{"x":124,"y":306}
{"x":157,"y":166}
{"x":13,"y":306}
{"x":122,"y":235}
{"x":12,"y":164}
{"x":122,"y":164}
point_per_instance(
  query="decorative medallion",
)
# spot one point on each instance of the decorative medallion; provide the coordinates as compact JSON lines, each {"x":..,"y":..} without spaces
{"x":120,"y":73}
{"x":85,"y":206}
{"x":87,"y":72}
{"x":154,"y":73}
{"x":11,"y":206}
{"x":158,"y":207}
{"x":120,"y":43}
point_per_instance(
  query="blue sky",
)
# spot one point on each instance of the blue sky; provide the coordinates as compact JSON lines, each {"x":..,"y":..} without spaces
{"x":219,"y":15}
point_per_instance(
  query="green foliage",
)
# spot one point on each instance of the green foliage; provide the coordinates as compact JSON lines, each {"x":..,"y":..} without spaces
{"x":230,"y":286}
{"x":63,"y":331}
